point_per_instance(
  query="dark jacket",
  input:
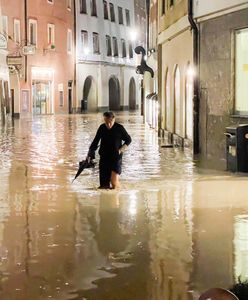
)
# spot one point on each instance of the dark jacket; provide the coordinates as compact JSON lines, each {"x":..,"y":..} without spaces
{"x":111,"y":141}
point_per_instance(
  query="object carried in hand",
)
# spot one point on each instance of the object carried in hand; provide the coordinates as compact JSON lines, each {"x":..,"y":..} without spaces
{"x":85,"y":164}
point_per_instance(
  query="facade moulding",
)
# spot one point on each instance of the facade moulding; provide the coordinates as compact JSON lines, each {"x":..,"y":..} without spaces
{"x":221,"y":12}
{"x":174,"y":30}
{"x":103,"y":63}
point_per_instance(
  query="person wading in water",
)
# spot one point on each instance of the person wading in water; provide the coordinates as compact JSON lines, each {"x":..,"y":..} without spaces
{"x":112,"y":135}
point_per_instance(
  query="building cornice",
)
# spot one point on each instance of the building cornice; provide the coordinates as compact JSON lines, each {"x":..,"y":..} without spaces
{"x":222,"y":12}
{"x":174,"y":30}
{"x":103,"y":63}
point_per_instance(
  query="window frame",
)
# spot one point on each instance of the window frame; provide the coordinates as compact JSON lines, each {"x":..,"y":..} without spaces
{"x":93,"y":8}
{"x":34,"y":22}
{"x":115,"y":46}
{"x":120,"y":15}
{"x":112,"y":12}
{"x":95,"y":37}
{"x":52,"y":27}
{"x":105,"y":10}
{"x":17,"y":22}
{"x":108,"y":46}
{"x":82,"y":7}
{"x":69,"y":41}
{"x":128,"y":19}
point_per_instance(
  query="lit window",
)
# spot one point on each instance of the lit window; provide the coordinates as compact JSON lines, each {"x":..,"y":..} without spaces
{"x":50,"y":34}
{"x":93,"y":8}
{"x":112,"y":12}
{"x":241,"y":71}
{"x":105,"y":10}
{"x":120,"y":15}
{"x":96,"y":48}
{"x":5,"y":25}
{"x":115,"y":47}
{"x":83,"y":7}
{"x":130,"y":48}
{"x":124,"y":50}
{"x":69,"y":41}
{"x":108,"y":45}
{"x":127,"y":17}
{"x":17,"y":31}
{"x":33,"y":32}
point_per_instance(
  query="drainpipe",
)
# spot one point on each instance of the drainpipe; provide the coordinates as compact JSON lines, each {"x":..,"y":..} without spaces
{"x":196,"y":98}
{"x":26,"y":37}
{"x":147,"y":24}
{"x":74,"y":94}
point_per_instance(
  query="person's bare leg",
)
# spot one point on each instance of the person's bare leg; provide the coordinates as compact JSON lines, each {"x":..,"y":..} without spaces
{"x":115,"y":180}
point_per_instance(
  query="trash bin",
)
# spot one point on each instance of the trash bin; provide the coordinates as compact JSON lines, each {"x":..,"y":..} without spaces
{"x":84,"y":104}
{"x":237,"y":148}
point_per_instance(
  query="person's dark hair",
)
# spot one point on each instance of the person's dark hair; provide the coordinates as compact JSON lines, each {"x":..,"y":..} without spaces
{"x":109,"y":114}
{"x":240,"y":289}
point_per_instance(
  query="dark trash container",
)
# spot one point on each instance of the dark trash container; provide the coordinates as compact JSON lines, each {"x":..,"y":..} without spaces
{"x":84,"y":104}
{"x":237,"y":148}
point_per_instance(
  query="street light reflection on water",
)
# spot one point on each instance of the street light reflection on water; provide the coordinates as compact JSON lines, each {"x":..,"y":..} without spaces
{"x":171,"y":232}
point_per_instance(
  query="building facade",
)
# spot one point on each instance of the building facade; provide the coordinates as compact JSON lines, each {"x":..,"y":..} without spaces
{"x":175,"y":40}
{"x":105,"y":70}
{"x":5,"y":104}
{"x":40,"y":55}
{"x":223,"y":65}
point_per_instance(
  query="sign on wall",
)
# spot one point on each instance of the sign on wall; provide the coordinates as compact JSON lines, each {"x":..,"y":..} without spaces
{"x":3,"y":42}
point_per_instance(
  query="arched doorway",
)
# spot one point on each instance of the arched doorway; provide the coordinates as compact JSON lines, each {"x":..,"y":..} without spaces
{"x":189,"y":104}
{"x":132,"y":94}
{"x":90,"y":94}
{"x":114,"y":94}
{"x":177,"y":100}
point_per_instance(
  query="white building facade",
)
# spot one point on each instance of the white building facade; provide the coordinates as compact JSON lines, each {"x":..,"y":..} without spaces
{"x":105,"y":58}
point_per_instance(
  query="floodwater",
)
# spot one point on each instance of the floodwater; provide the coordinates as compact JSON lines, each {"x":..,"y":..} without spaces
{"x":170,"y":233}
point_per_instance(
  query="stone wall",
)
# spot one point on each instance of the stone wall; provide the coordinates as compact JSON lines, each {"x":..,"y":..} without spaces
{"x":216,"y":84}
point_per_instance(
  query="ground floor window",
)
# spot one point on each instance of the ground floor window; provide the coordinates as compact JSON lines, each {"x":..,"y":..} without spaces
{"x":61,"y":98}
{"x":241,"y":71}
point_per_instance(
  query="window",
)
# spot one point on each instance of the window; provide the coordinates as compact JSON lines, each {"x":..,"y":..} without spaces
{"x":50,"y":1}
{"x":115,"y":47}
{"x":69,"y":4}
{"x":5,"y":25}
{"x":93,"y":8}
{"x":33,"y":32}
{"x":120,"y":15}
{"x":83,"y":7}
{"x":17,"y":31}
{"x":130,"y":48}
{"x":163,"y":7}
{"x":61,"y":98}
{"x":241,"y":71}
{"x":50,"y":34}
{"x":108,"y":45}
{"x":105,"y":10}
{"x":69,"y":41}
{"x":96,"y":48}
{"x":127,"y":17}
{"x":171,"y":2}
{"x":112,"y":12}
{"x":123,"y":46}
{"x":85,"y":41}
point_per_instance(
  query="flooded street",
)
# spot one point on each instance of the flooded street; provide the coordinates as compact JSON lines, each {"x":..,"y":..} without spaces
{"x":170,"y":233}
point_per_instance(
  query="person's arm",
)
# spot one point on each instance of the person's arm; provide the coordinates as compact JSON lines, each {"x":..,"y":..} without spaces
{"x":94,"y":144}
{"x":127,"y":140}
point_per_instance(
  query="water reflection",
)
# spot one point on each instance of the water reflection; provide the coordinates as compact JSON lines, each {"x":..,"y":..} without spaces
{"x":170,"y":233}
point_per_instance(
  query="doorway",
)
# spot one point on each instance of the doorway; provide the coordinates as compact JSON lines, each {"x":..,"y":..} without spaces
{"x":132,"y":94}
{"x":114,"y":94}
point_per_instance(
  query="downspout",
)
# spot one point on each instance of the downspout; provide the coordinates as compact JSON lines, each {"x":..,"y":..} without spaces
{"x":196,"y":98}
{"x":75,"y":58}
{"x":26,"y":37}
{"x":147,"y":24}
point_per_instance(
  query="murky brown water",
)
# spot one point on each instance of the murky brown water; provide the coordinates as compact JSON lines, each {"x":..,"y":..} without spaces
{"x":171,"y":232}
